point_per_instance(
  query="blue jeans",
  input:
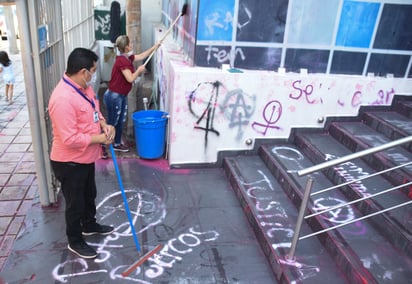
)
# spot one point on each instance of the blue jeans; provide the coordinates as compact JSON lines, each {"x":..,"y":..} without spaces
{"x":116,"y":105}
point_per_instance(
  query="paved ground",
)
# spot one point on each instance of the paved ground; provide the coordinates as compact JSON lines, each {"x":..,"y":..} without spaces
{"x":192,"y":213}
{"x":18,"y":186}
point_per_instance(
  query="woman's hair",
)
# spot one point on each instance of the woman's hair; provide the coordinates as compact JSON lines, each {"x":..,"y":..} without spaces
{"x":80,"y":58}
{"x":121,"y":42}
{"x":4,"y":58}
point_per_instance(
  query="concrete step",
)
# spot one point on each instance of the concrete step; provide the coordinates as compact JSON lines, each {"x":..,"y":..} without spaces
{"x":357,"y":136}
{"x":273,"y":216}
{"x":350,"y":245}
{"x":371,"y":250}
{"x":390,"y":123}
{"x":394,"y":225}
{"x":403,"y":105}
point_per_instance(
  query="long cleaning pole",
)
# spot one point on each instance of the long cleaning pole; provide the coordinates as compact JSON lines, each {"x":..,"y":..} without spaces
{"x":182,"y":13}
{"x":126,"y":205}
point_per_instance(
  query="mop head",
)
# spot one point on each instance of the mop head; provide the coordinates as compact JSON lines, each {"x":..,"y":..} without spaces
{"x":184,"y":10}
{"x":141,"y":260}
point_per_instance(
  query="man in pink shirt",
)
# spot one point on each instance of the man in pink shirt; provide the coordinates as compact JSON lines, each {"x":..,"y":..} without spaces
{"x":79,"y":129}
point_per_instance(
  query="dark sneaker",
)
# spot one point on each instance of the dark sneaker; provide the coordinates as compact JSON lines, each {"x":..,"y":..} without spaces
{"x":82,"y":249}
{"x":97,"y":229}
{"x":120,"y":148}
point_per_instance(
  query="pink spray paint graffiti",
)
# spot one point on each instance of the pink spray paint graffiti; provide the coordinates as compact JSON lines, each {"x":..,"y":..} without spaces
{"x":384,"y":98}
{"x":306,"y":91}
{"x":271,"y":115}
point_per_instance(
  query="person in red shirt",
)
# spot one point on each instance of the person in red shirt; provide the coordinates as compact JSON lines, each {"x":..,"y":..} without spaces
{"x":122,"y":77}
{"x":79,"y":129}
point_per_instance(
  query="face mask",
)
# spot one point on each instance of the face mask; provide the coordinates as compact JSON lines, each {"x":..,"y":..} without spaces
{"x":92,"y":81}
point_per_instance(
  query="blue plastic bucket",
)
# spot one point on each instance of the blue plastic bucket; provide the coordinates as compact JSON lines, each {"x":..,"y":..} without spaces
{"x":150,"y":133}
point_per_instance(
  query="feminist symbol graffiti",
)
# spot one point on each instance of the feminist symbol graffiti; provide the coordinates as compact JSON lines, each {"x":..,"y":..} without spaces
{"x":271,"y":114}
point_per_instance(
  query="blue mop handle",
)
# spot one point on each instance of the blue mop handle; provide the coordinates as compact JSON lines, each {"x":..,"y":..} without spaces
{"x":126,"y":205}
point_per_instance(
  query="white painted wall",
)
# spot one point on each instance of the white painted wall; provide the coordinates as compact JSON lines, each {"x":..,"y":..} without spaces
{"x":253,"y":104}
{"x":151,"y":13}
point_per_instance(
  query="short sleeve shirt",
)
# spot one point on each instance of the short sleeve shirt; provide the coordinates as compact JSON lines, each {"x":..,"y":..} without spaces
{"x":73,"y":124}
{"x":118,"y":82}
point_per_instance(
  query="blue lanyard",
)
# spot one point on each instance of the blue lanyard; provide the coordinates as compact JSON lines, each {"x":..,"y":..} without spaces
{"x":80,"y":93}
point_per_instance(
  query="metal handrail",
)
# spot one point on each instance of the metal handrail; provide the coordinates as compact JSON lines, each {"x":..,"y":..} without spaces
{"x":357,"y":219}
{"x":353,"y":156}
{"x":359,"y":179}
{"x":331,"y":163}
{"x":357,"y":200}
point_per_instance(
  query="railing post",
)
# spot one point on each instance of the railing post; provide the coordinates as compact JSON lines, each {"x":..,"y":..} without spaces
{"x":291,"y":255}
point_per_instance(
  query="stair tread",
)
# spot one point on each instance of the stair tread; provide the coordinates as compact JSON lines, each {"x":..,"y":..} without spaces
{"x":361,"y":236}
{"x":395,"y":119}
{"x":404,"y":106}
{"x":357,"y":168}
{"x":390,"y":123}
{"x":366,"y":137}
{"x":373,"y":250}
{"x":275,"y":216}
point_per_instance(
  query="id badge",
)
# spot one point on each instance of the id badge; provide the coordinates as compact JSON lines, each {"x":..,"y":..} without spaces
{"x":96,"y":116}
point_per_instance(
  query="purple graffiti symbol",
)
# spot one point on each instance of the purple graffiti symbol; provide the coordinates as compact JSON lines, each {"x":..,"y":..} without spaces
{"x":384,"y":98}
{"x":271,"y":114}
{"x":357,"y":98}
{"x":379,"y":101}
{"x":355,"y":229}
{"x":307,"y":91}
{"x":389,"y":95}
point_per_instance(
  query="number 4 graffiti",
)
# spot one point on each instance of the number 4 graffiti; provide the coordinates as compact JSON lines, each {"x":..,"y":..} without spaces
{"x":208,"y":113}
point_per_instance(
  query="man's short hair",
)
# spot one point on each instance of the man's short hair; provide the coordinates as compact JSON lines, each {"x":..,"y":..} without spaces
{"x":80,"y":58}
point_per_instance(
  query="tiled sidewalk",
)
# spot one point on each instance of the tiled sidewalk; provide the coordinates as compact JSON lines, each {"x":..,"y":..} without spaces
{"x":18,"y":184}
